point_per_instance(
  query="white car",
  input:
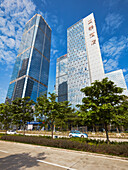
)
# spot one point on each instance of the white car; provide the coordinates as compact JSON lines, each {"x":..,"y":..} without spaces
{"x":11,"y":132}
{"x":76,"y":133}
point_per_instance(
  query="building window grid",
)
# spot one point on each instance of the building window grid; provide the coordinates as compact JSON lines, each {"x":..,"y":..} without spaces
{"x":79,"y":45}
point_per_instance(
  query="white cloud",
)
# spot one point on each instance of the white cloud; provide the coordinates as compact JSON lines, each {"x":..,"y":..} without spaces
{"x":13,"y":16}
{"x":124,"y":70}
{"x":112,"y":50}
{"x":60,"y":29}
{"x":114,"y":46}
{"x":7,"y":57}
{"x":104,"y":61}
{"x":44,"y":2}
{"x":54,"y":19}
{"x":54,"y":51}
{"x":126,"y":78}
{"x":111,"y":65}
{"x":9,"y":42}
{"x":2,"y":95}
{"x":112,"y":22}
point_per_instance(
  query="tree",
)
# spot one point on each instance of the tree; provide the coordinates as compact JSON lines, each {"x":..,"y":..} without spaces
{"x":69,"y":115}
{"x":122,"y":113}
{"x":53,"y":111}
{"x":49,"y":108}
{"x":5,"y":115}
{"x":100,"y":103}
{"x":22,"y":111}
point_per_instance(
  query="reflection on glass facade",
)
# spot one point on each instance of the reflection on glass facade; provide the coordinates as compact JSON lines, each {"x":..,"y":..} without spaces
{"x":31,"y":69}
{"x":118,"y":78}
{"x":61,"y":78}
{"x":78,"y":71}
{"x":84,"y":61}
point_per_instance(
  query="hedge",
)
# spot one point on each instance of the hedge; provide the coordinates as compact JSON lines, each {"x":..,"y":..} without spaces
{"x":112,"y":149}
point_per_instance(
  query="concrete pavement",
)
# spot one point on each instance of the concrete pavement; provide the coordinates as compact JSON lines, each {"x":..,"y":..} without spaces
{"x":17,"y":156}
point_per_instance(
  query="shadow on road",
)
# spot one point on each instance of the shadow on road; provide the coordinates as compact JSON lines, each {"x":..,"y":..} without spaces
{"x":18,"y":161}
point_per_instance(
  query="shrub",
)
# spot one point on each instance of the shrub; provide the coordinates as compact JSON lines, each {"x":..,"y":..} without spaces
{"x":120,"y":149}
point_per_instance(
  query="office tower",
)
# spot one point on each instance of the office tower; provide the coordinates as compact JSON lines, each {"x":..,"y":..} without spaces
{"x":61,"y":78}
{"x":31,"y":69}
{"x":83,"y":58}
{"x":118,"y":78}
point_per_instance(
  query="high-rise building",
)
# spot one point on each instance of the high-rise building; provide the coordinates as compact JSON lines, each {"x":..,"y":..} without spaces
{"x":61,"y":78}
{"x":118,"y":78}
{"x":31,"y":69}
{"x":84,"y":62}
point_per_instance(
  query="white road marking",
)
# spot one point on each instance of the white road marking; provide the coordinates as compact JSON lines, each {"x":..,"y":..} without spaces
{"x":55,"y":164}
{"x":4,"y":151}
{"x":105,"y":157}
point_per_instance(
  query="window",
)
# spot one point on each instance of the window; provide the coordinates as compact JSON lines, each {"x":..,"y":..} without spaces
{"x":91,"y":27}
{"x":90,"y":21}
{"x":93,"y":42}
{"x":92,"y":35}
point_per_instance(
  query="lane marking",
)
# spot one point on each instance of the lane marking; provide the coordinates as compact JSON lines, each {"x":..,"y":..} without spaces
{"x":55,"y":165}
{"x":4,"y":151}
{"x":105,"y":157}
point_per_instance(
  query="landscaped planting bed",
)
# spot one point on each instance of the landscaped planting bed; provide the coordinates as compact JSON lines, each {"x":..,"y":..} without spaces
{"x":114,"y":148}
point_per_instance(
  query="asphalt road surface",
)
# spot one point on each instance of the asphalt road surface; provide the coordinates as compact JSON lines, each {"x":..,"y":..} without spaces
{"x":101,"y":138}
{"x":17,"y":156}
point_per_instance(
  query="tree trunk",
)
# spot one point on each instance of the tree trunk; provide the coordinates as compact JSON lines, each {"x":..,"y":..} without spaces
{"x":93,"y":130}
{"x":6,"y":129}
{"x":117,"y":129}
{"x":52,"y":128}
{"x":106,"y":130}
{"x":24,"y":130}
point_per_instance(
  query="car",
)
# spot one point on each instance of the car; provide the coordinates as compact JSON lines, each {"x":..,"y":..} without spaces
{"x":11,"y":132}
{"x":76,"y":133}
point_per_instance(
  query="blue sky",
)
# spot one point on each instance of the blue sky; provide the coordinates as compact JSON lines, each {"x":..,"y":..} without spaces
{"x":112,"y":26}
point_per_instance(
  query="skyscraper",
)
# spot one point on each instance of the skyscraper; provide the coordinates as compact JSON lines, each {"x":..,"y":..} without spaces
{"x":61,"y":78}
{"x":118,"y":78}
{"x":31,"y":69}
{"x":83,"y":58}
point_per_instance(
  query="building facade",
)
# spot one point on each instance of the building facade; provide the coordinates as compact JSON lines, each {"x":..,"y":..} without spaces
{"x":61,"y":78}
{"x":84,"y":62}
{"x":31,"y":69}
{"x":118,"y":78}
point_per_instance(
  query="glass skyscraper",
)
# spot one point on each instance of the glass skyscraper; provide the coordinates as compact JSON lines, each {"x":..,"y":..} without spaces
{"x":61,"y":78}
{"x":31,"y":69}
{"x":84,"y":62}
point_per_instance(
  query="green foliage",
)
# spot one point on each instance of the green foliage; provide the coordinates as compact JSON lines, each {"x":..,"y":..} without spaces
{"x":5,"y":115}
{"x":69,"y":115}
{"x":101,"y":102}
{"x":54,"y":112}
{"x":122,"y":113}
{"x":22,"y":111}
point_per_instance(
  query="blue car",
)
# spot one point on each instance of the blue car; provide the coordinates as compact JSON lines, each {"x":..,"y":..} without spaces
{"x":76,"y":133}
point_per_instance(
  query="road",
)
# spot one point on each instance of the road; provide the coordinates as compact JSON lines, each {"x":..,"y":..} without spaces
{"x":101,"y":138}
{"x":17,"y":156}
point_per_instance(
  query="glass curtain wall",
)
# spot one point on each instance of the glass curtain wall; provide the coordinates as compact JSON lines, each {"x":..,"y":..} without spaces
{"x":31,"y":69}
{"x":78,"y":71}
{"x":61,"y":78}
